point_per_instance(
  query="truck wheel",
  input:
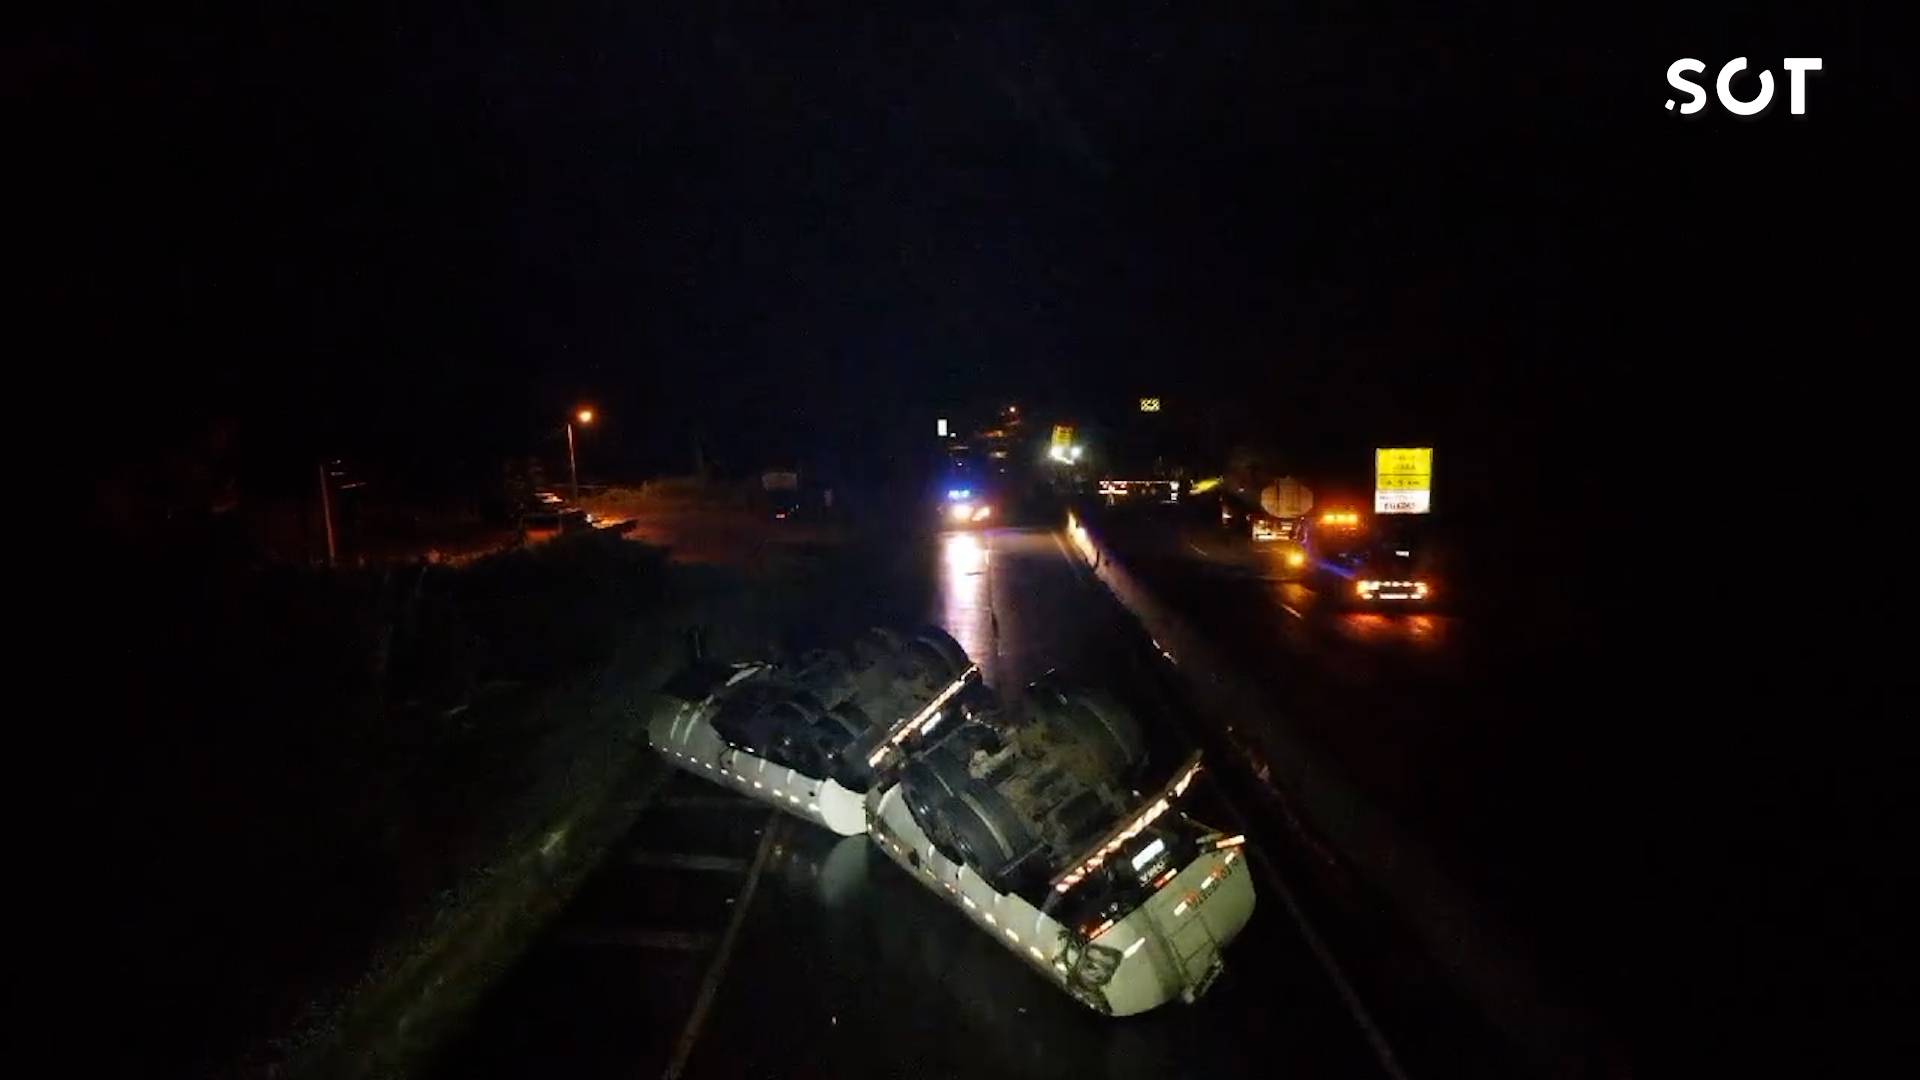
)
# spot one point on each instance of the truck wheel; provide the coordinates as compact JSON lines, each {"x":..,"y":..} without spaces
{"x":944,"y":654}
{"x":989,"y":834}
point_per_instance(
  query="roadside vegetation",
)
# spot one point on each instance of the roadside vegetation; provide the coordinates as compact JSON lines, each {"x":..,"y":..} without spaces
{"x":315,"y":761}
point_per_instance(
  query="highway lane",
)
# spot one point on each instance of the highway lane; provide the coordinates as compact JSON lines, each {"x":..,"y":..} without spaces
{"x":1356,"y":646}
{"x":1427,"y":719}
{"x":1475,"y":738}
{"x":727,"y":943}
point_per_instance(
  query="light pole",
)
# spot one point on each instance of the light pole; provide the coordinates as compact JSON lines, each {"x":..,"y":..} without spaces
{"x":585,"y":417}
{"x":326,"y":512}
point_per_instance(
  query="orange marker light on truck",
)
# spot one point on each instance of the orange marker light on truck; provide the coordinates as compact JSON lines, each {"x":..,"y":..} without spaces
{"x":1130,"y":829}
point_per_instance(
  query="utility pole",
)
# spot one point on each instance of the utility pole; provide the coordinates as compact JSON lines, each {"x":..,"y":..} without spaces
{"x":585,"y":416}
{"x":326,"y":513}
{"x":573,"y":466}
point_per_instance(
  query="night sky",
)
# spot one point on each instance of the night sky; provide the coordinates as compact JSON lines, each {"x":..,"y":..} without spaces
{"x":419,"y":237}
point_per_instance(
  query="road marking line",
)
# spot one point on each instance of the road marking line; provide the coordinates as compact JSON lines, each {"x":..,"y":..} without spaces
{"x":1389,"y":1063}
{"x":1291,"y":610}
{"x":672,"y":940}
{"x":1195,"y":548}
{"x":1376,"y":1039}
{"x":717,"y":970}
{"x":669,"y":860}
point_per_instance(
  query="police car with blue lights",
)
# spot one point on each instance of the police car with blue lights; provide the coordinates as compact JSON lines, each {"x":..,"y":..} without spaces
{"x":965,"y":506}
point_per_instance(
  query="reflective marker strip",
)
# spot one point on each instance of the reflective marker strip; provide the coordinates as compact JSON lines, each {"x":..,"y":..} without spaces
{"x":904,"y":727}
{"x":1132,"y":829}
{"x":1180,"y":785}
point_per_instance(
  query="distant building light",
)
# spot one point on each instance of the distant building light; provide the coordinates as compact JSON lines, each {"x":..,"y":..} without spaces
{"x":940,"y":427}
{"x":1149,"y":404}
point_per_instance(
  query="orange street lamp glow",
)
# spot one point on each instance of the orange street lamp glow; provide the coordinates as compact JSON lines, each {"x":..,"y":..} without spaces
{"x":585,"y":416}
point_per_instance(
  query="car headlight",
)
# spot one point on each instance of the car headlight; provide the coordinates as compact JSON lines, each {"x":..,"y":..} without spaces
{"x":982,"y":513}
{"x":960,"y":511}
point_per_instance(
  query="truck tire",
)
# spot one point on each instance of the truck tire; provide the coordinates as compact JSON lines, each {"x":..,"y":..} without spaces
{"x":988,"y":834}
{"x":941,"y":655}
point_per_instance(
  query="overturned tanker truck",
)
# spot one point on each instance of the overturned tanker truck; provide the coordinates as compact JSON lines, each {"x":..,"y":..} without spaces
{"x":1026,"y":816}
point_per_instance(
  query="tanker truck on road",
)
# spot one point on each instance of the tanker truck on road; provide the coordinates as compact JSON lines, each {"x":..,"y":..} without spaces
{"x":1039,"y":817}
{"x":1273,"y":511}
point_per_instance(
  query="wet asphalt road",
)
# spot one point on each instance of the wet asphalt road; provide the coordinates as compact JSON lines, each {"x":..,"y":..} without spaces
{"x":1474,"y":736}
{"x":724,"y":940}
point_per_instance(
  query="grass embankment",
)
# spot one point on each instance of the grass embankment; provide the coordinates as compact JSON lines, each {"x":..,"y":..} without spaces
{"x":337,"y":799}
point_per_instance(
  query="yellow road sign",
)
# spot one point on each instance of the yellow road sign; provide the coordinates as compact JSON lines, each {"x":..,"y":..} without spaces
{"x":1403,"y":480}
{"x":1149,"y":404}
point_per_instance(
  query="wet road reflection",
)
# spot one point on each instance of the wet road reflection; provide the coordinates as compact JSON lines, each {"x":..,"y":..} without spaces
{"x":1413,"y":629}
{"x":965,"y":596}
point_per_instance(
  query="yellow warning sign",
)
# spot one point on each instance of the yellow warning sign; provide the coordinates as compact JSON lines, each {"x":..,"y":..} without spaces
{"x":1403,"y":480}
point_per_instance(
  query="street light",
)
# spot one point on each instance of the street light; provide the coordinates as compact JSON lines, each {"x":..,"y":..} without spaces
{"x":583,"y":417}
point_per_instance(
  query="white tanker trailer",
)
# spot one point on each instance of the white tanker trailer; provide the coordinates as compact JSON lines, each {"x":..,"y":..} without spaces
{"x":1026,"y":817}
